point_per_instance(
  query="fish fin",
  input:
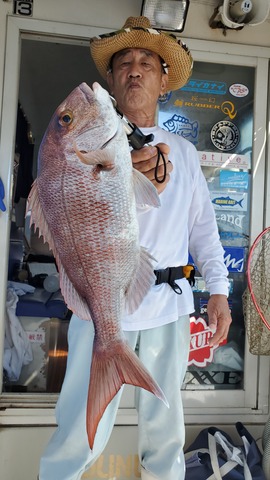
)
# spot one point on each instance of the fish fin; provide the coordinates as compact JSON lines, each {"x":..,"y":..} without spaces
{"x":37,"y":217}
{"x":141,"y":282}
{"x":110,"y":369}
{"x":75,"y":302}
{"x":103,"y":158}
{"x":72,"y":298}
{"x":145,"y":192}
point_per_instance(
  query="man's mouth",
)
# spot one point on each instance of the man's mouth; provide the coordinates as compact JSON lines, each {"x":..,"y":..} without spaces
{"x":134,"y":85}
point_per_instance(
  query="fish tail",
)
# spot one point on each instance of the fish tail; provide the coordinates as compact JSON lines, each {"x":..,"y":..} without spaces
{"x":109,"y":371}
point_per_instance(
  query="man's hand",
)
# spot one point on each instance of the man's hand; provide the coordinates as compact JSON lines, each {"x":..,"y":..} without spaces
{"x":219,"y":318}
{"x":145,"y":161}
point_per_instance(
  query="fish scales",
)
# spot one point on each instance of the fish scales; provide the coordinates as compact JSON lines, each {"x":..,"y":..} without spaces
{"x":84,"y":204}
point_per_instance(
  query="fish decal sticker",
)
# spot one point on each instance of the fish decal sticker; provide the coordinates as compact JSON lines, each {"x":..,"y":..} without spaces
{"x":227,"y":202}
{"x":182,"y":126}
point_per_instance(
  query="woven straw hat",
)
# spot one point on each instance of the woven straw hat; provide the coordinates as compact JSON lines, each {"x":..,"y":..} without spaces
{"x":137,"y":33}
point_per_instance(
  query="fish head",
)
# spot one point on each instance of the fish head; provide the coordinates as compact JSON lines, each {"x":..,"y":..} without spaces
{"x":84,"y":122}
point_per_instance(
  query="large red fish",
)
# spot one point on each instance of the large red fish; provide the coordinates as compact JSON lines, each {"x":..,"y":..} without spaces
{"x":84,"y":205}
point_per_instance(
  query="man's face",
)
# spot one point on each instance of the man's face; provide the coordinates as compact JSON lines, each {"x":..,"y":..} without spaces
{"x":137,"y":79}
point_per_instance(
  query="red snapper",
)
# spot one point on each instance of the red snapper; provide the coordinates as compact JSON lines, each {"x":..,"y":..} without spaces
{"x":83,"y":202}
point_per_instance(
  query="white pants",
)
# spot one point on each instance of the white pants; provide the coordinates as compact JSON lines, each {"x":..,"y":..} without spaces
{"x":164,"y":352}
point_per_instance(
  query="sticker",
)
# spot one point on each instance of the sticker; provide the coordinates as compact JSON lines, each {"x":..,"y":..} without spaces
{"x":224,"y":160}
{"x":199,"y":285}
{"x":23,"y":8}
{"x":234,"y":259}
{"x":164,"y":98}
{"x":233,"y":201}
{"x":2,"y":196}
{"x":231,"y":236}
{"x":36,"y":337}
{"x":239,"y":90}
{"x":200,"y":353}
{"x":229,"y":179}
{"x":230,"y":219}
{"x":196,"y":102}
{"x":203,"y":306}
{"x":229,"y":109}
{"x":205,"y":86}
{"x":196,"y":379}
{"x":182,"y":126}
{"x":225,"y":135}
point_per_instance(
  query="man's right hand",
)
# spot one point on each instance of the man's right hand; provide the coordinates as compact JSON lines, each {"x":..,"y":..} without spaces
{"x":145,"y":161}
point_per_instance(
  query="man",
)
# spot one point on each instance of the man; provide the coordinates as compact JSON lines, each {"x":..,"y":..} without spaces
{"x":140,"y":64}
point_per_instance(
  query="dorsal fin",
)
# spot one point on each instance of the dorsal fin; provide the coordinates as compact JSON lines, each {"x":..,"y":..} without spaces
{"x":72,"y":298}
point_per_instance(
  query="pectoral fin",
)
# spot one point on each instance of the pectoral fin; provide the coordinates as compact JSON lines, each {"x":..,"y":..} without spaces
{"x":145,"y":192}
{"x":142,"y":280}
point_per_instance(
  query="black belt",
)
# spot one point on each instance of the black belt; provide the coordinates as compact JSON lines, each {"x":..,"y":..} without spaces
{"x":170,"y":274}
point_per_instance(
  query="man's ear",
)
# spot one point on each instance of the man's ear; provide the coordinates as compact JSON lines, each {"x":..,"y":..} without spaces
{"x":164,"y":84}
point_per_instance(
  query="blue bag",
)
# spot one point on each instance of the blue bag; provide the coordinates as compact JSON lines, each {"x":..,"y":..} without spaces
{"x":214,"y":456}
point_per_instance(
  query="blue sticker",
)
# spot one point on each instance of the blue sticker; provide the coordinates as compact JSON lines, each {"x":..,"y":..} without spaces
{"x":234,"y":258}
{"x":227,"y":201}
{"x":164,"y":98}
{"x":205,"y":86}
{"x":2,"y":196}
{"x":203,"y":305}
{"x":182,"y":126}
{"x":234,"y":201}
{"x":232,"y":235}
{"x":230,"y":179}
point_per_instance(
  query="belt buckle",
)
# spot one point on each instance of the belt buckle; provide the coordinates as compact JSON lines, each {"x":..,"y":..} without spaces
{"x":162,"y":275}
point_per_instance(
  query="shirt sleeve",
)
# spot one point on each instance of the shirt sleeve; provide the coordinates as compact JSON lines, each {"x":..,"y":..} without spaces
{"x":204,"y":242}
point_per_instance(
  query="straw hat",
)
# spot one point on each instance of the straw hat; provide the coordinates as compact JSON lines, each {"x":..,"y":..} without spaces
{"x":137,"y":33}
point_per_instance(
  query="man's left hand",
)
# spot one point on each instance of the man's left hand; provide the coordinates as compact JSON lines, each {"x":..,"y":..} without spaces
{"x":219,"y":318}
{"x":145,"y":161}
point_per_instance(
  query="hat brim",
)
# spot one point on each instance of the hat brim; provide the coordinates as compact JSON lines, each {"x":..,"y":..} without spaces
{"x":172,"y":50}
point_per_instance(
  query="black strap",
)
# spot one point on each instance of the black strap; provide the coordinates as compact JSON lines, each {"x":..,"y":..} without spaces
{"x":170,"y":274}
{"x":160,"y":155}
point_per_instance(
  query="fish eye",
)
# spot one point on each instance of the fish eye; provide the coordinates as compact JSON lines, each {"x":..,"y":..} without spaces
{"x":66,"y":119}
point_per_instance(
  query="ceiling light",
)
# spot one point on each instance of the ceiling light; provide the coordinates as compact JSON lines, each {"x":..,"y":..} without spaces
{"x":166,"y":14}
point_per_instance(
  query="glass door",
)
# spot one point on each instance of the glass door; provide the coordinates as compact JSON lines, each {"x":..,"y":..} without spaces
{"x":222,"y":110}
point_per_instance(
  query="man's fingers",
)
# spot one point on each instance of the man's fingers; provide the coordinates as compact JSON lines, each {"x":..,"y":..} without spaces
{"x":154,"y":165}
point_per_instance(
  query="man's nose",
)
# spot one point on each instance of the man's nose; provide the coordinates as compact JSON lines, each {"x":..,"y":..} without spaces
{"x":134,"y":72}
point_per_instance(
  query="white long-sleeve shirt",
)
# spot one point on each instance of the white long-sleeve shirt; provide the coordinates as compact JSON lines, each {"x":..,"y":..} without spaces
{"x":184,"y":223}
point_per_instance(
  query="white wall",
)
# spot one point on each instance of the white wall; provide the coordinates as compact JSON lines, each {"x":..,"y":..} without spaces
{"x":91,"y":12}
